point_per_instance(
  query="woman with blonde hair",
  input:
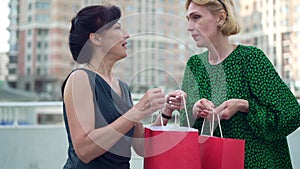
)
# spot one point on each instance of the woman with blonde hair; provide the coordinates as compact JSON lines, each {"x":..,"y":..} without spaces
{"x":240,"y":84}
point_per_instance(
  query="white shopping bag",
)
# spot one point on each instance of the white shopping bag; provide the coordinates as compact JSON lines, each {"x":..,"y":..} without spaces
{"x":294,"y":147}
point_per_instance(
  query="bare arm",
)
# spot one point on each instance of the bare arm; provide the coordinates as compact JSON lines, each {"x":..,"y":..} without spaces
{"x":89,"y":142}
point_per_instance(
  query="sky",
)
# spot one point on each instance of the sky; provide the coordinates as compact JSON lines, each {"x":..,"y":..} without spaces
{"x":4,"y":23}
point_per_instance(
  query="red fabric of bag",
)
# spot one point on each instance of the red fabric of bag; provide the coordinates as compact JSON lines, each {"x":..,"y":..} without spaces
{"x":221,"y":153}
{"x":165,"y":149}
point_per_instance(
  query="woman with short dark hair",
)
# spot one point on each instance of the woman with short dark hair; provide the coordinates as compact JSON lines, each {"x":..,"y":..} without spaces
{"x":101,"y":121}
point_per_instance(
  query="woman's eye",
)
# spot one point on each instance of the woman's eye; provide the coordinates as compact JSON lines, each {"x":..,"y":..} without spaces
{"x":196,"y":17}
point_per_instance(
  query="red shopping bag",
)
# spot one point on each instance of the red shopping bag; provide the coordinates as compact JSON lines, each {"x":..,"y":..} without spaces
{"x":221,"y":153}
{"x":171,"y":148}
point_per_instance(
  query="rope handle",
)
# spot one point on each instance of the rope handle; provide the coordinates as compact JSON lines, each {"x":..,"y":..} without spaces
{"x":211,"y":125}
{"x":186,"y":113}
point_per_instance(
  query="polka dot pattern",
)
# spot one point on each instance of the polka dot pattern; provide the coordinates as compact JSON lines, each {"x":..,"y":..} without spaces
{"x":273,"y":110}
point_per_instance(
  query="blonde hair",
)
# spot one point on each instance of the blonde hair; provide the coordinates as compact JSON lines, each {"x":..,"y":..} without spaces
{"x":232,"y":24}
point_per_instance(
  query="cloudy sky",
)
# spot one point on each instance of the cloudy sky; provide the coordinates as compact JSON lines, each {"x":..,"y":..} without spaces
{"x":4,"y":22}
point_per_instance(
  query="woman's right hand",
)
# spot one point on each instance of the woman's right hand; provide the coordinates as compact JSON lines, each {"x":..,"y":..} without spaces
{"x":152,"y":101}
{"x":202,"y":108}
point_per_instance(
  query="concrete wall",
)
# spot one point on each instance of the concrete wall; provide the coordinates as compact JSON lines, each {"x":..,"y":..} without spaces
{"x":33,"y":147}
{"x":45,"y":147}
{"x":294,"y":146}
{"x":38,"y":147}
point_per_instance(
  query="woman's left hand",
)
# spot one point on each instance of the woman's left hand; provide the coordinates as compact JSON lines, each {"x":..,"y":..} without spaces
{"x":231,"y":107}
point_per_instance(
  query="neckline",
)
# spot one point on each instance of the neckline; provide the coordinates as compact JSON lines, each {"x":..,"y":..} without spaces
{"x":224,"y":60}
{"x":111,"y":89}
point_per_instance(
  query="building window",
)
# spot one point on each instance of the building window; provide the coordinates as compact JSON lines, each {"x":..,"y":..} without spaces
{"x":29,"y":7}
{"x":28,"y":71}
{"x":14,"y":10}
{"x":39,"y":58}
{"x":13,"y":59}
{"x":42,"y":18}
{"x":298,"y":8}
{"x":286,"y":61}
{"x":42,"y":32}
{"x":161,"y":45}
{"x":38,"y":71}
{"x":42,"y":5}
{"x":39,"y":45}
{"x":284,"y":10}
{"x":28,"y":57}
{"x":284,"y":23}
{"x":27,"y":86}
{"x":160,"y":10}
{"x":29,"y":19}
{"x":287,"y":74}
{"x":297,"y":84}
{"x":13,"y":21}
{"x":298,"y":47}
{"x":12,"y":71}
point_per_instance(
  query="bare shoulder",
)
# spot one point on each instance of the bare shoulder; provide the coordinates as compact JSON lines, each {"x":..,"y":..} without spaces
{"x":78,"y":80}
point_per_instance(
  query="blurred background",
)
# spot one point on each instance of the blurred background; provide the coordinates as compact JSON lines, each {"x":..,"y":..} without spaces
{"x":35,"y":59}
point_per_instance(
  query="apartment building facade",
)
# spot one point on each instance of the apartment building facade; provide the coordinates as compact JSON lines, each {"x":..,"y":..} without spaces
{"x":274,"y":26}
{"x":39,"y":57}
{"x":159,"y":43}
{"x":3,"y":63}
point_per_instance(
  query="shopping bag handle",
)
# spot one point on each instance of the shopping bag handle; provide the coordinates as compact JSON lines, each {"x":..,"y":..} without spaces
{"x":186,"y":114}
{"x":212,"y":124}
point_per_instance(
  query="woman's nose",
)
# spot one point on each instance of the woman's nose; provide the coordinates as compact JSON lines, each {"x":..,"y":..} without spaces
{"x":190,"y":27}
{"x":126,"y":35}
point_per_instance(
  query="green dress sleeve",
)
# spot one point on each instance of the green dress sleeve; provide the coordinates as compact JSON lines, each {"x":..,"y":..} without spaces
{"x":273,"y":110}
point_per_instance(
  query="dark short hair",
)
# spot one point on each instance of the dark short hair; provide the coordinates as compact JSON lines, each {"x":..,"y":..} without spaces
{"x":90,"y":19}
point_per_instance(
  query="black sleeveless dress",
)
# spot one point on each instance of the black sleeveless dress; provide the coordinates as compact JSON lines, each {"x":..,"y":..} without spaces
{"x":108,"y":107}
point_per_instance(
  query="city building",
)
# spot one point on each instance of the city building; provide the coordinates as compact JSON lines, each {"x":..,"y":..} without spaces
{"x":159,"y":43}
{"x":39,"y":57}
{"x":3,"y":65}
{"x":274,"y":26}
{"x":158,"y":47}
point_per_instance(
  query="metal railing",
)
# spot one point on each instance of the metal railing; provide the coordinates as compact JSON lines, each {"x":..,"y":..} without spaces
{"x":40,"y":113}
{"x":30,"y":113}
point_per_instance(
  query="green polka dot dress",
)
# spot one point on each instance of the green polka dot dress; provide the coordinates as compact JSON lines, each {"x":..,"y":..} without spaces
{"x":273,"y":110}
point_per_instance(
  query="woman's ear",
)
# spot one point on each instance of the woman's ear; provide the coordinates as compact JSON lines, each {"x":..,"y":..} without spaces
{"x":222,"y":16}
{"x":95,"y":39}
